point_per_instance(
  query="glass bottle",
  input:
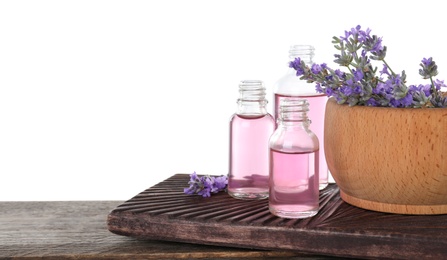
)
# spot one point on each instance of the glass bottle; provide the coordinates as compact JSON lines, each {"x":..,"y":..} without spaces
{"x":294,"y":179}
{"x":291,"y":85}
{"x":250,"y":129}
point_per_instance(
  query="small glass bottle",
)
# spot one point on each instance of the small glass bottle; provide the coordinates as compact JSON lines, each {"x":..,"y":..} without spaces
{"x":291,"y":85}
{"x":294,"y":164}
{"x":250,"y":129}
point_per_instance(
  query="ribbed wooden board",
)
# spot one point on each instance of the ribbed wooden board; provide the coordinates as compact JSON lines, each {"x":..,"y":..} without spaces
{"x":164,"y":212}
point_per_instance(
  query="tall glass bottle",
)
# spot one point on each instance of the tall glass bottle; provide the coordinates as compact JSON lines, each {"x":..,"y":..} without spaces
{"x":294,"y":167}
{"x":250,"y":129}
{"x":291,"y":86}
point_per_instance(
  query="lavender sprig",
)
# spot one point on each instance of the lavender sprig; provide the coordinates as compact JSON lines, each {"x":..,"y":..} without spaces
{"x":360,"y":85}
{"x":205,"y":185}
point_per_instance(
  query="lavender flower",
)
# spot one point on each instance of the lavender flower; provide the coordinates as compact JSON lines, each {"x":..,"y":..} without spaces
{"x":360,"y":85}
{"x":429,"y":68}
{"x":205,"y":185}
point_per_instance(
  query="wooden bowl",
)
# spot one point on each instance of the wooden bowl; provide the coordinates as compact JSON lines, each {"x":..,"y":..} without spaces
{"x":388,"y":159}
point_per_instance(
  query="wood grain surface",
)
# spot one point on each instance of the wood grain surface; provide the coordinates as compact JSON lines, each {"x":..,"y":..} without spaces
{"x":391,"y":159}
{"x":164,"y":212}
{"x":78,"y":230}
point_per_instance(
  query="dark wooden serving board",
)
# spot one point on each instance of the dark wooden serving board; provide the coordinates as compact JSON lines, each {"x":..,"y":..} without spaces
{"x":164,"y":212}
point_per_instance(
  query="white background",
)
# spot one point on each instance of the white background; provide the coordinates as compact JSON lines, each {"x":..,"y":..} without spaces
{"x":100,"y":100}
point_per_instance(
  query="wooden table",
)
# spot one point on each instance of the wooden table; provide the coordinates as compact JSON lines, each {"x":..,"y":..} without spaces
{"x":165,"y":212}
{"x":78,"y":230}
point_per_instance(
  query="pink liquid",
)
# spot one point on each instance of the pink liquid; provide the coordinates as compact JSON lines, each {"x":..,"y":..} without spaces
{"x":249,"y":156}
{"x":317,"y":107}
{"x":293,"y":184}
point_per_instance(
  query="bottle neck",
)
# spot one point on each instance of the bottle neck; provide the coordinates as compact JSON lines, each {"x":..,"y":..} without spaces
{"x":252,"y":100}
{"x":293,"y":113}
{"x":304,"y":52}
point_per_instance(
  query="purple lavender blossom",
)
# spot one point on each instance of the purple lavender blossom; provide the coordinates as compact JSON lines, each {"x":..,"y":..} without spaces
{"x":429,"y":68}
{"x":340,"y":74}
{"x":358,"y":74}
{"x":385,"y":70}
{"x":360,"y":85}
{"x":297,"y":65}
{"x":439,"y":84}
{"x":318,"y":88}
{"x":371,"y":102}
{"x":427,"y":62}
{"x":363,"y":35}
{"x":221,"y":182}
{"x":316,"y":68}
{"x":205,"y":185}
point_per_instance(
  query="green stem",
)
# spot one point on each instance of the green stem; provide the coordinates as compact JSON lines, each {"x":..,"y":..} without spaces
{"x":350,"y":70}
{"x":433,"y":88}
{"x":388,"y":66}
{"x":392,"y":72}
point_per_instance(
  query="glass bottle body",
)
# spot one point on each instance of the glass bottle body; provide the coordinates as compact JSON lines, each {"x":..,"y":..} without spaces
{"x":291,"y":86}
{"x":250,"y":129}
{"x":294,"y":168}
